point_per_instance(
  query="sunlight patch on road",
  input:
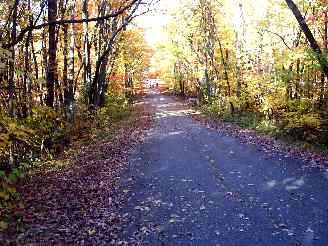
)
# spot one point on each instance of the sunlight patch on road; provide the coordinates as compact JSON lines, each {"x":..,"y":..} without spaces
{"x":175,"y":113}
{"x":289,"y":183}
{"x":176,"y":133}
{"x":271,"y":184}
{"x":167,"y":105}
{"x":139,"y":103}
{"x":288,"y":180}
{"x":296,"y":184}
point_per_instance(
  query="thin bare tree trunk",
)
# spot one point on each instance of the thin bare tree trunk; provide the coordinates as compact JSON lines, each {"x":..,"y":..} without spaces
{"x":325,"y":45}
{"x":11,"y":82}
{"x":26,"y":79}
{"x":87,"y":47}
{"x":225,"y":67}
{"x":52,"y":52}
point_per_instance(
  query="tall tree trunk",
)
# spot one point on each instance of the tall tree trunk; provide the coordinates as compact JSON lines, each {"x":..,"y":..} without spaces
{"x":225,"y":66}
{"x":65,"y":67}
{"x":36,"y":69}
{"x":238,"y":67}
{"x":239,"y":31}
{"x":69,"y":96}
{"x":52,"y":52}
{"x":298,"y":79}
{"x":101,"y":84}
{"x":65,"y":56}
{"x":29,"y":65}
{"x":44,"y":63}
{"x":325,"y":45}
{"x":87,"y":46}
{"x":11,"y":79}
{"x":26,"y":79}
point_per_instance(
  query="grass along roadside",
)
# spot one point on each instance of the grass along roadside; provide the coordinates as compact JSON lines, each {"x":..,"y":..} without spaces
{"x":289,"y":136}
{"x":255,"y":130}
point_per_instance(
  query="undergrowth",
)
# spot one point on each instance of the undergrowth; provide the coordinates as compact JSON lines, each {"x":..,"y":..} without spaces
{"x":297,"y":123}
{"x":42,"y":141}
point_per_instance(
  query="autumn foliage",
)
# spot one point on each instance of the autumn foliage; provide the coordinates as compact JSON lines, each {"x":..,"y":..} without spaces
{"x":66,"y":66}
{"x":253,"y":64}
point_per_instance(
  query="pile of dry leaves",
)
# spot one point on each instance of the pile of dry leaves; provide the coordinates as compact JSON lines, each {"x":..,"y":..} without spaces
{"x":76,"y":206}
{"x":265,"y":143}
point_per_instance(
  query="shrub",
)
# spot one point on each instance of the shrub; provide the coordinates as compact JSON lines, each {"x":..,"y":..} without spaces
{"x":116,"y":108}
{"x":8,"y":195}
{"x":301,"y":106}
{"x":16,"y":140}
{"x":216,"y":109}
{"x":51,"y":128}
{"x":302,"y":126}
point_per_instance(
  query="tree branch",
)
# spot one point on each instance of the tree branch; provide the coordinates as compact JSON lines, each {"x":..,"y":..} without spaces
{"x":125,"y":22}
{"x":63,"y":22}
{"x":281,"y":37}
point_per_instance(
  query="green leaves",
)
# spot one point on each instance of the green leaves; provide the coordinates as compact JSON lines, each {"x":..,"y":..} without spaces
{"x":3,"y":225}
{"x":116,"y":108}
{"x":8,"y":195}
{"x":11,"y":131}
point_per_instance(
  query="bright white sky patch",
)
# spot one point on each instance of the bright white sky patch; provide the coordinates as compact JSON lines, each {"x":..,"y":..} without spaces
{"x":154,"y":22}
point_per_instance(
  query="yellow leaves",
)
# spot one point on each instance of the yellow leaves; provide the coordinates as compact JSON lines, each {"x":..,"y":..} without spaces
{"x":4,"y":140}
{"x":273,"y":101}
{"x":19,"y":132}
{"x":133,"y":58}
{"x":238,"y":102}
{"x":3,"y":225}
{"x":44,"y":113}
{"x":307,"y":121}
{"x":11,"y":131}
{"x":8,"y":195}
{"x":134,"y":47}
{"x":5,"y":55}
{"x":4,"y":195}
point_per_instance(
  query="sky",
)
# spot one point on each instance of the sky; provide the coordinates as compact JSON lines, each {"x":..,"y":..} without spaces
{"x":154,"y":22}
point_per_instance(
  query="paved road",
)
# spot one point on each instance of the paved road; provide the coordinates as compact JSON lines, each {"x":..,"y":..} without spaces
{"x":189,"y":185}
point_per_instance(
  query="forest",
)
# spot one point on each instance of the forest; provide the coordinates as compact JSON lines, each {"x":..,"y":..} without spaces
{"x":68,"y":67}
{"x":63,"y":66}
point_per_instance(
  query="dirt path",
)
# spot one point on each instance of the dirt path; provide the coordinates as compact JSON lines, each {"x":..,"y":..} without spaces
{"x":190,"y":185}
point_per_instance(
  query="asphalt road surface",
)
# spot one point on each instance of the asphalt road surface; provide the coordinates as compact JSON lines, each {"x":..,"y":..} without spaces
{"x":189,"y":185}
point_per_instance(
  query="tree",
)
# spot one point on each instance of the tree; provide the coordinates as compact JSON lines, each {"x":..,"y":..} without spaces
{"x":98,"y":82}
{"x":52,"y":53}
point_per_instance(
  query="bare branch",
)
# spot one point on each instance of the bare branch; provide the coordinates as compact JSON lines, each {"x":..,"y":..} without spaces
{"x":70,"y":21}
{"x":281,"y":37}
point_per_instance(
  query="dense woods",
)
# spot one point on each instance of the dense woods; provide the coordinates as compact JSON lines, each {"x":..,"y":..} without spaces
{"x":61,"y":62}
{"x":59,"y":56}
{"x":262,"y":65}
